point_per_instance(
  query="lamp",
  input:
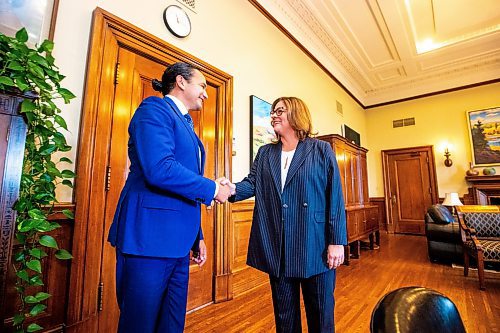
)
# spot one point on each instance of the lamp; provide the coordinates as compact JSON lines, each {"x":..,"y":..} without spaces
{"x":448,"y":162}
{"x":452,"y":199}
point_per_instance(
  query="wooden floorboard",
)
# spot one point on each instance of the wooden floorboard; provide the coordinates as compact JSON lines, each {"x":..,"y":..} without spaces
{"x":401,"y":261}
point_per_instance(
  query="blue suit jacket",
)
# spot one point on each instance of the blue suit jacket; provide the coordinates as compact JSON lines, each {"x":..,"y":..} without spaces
{"x":300,"y":222}
{"x":158,"y":213}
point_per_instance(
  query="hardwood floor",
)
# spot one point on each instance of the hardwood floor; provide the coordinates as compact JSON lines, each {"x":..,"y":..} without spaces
{"x":401,"y":261}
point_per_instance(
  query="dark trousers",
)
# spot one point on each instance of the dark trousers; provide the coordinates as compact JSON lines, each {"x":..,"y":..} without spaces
{"x":151,"y":293}
{"x":317,"y":292}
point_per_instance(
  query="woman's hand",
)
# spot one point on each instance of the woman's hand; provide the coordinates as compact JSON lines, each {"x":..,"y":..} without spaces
{"x":335,"y":256}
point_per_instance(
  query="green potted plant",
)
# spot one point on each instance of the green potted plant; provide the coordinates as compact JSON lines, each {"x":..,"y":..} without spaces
{"x":32,"y":70}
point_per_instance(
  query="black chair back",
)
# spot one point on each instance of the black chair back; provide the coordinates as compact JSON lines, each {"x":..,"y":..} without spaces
{"x":415,"y":309}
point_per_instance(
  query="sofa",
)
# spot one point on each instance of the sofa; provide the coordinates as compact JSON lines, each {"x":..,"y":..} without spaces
{"x":444,"y":242}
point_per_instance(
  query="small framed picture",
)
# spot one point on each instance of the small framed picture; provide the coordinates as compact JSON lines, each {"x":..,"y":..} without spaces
{"x":261,"y":131}
{"x":37,"y":16}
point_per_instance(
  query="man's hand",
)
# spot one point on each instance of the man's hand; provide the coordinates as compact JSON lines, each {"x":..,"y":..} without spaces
{"x":226,"y":181}
{"x":224,"y":191}
{"x":200,"y":257}
{"x":335,"y":256}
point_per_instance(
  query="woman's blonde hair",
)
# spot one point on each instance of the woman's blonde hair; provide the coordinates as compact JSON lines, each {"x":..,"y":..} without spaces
{"x":298,"y":116}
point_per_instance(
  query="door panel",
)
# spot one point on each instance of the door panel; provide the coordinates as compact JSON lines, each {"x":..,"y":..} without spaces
{"x":134,"y":84}
{"x":410,"y":187}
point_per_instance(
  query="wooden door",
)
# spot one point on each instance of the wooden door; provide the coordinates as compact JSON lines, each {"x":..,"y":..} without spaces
{"x":410,"y":187}
{"x":134,"y":84}
{"x":122,"y":61}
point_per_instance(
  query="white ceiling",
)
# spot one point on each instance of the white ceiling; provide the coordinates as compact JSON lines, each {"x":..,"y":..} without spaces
{"x":382,"y":51}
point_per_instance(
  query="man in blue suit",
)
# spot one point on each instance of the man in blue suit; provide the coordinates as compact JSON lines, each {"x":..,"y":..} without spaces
{"x":157,"y":220}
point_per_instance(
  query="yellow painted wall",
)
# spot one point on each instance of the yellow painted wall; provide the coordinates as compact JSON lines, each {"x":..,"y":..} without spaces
{"x":230,"y":35}
{"x":440,"y":120}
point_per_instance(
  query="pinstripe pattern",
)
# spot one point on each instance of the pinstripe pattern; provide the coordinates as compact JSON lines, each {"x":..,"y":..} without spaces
{"x":318,"y":301}
{"x":303,"y":220}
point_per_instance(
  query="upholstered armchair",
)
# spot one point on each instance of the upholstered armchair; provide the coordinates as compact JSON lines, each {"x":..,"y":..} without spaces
{"x":480,"y":229}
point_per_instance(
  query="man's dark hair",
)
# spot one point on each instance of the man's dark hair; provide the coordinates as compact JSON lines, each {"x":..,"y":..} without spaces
{"x":168,"y":79}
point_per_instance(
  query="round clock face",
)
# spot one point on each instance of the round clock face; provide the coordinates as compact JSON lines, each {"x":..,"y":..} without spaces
{"x":177,"y":21}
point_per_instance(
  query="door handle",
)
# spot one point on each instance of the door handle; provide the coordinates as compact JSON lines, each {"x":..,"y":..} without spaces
{"x":393,"y":199}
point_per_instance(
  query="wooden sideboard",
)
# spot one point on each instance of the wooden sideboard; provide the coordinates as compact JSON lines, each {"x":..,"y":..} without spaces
{"x":483,"y":190}
{"x":362,"y":216}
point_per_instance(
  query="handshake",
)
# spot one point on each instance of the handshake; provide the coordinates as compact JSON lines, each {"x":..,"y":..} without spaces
{"x":226,"y":189}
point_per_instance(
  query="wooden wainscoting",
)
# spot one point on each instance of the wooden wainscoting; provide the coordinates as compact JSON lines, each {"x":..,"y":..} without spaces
{"x":245,"y":277}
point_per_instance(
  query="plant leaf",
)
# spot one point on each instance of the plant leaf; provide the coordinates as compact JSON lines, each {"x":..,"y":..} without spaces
{"x":47,"y":46}
{"x":36,"y":214}
{"x":18,"y":319}
{"x":47,"y":150}
{"x":38,"y":253}
{"x":63,"y":254}
{"x":21,"y":238}
{"x":14,"y":65}
{"x":48,"y":241}
{"x":7,"y":81}
{"x":37,"y":309}
{"x":65,"y":159}
{"x":23,"y":275}
{"x":41,"y":296}
{"x":39,"y":60}
{"x":35,"y":265}
{"x":66,"y":94}
{"x":33,"y":328}
{"x":60,"y":121}
{"x":22,"y":35}
{"x":67,"y":183}
{"x":68,"y":213}
{"x":68,"y":174}
{"x":31,"y":299}
{"x":27,"y":105}
{"x":36,"y":281}
{"x":19,"y":256}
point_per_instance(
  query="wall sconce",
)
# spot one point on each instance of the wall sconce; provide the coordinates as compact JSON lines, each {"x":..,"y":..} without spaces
{"x":447,"y":162}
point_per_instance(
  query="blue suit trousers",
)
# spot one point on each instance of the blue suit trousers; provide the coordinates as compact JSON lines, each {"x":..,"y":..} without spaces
{"x":151,"y":293}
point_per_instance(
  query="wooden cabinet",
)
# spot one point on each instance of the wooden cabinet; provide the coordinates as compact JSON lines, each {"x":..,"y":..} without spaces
{"x":362,"y":217}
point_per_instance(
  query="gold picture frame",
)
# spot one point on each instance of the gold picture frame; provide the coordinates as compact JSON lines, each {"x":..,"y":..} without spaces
{"x":484,"y":135}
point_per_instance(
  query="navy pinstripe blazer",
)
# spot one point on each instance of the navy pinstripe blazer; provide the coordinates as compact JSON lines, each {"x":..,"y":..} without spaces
{"x":300,"y":222}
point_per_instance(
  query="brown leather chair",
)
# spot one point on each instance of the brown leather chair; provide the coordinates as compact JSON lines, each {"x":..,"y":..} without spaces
{"x":480,"y":229}
{"x":415,"y":309}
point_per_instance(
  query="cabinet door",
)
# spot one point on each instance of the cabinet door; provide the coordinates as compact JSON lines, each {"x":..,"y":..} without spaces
{"x":338,"y":148}
{"x":364,"y":177}
{"x":352,"y":225}
{"x":371,"y":218}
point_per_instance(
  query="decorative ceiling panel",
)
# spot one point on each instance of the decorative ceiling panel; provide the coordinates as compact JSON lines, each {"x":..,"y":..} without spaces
{"x":388,"y":50}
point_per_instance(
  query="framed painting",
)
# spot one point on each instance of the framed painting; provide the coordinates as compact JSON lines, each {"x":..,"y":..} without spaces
{"x":261,"y":131}
{"x":484,"y":133}
{"x":37,"y":16}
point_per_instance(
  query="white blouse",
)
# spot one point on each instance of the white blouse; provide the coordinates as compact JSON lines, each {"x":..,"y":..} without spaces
{"x":286,"y":159}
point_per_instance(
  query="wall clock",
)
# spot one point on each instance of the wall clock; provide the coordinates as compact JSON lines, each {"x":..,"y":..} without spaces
{"x":177,"y":21}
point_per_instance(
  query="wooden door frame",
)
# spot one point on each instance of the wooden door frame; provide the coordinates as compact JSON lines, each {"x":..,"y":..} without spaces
{"x":385,"y":170}
{"x":109,"y":33}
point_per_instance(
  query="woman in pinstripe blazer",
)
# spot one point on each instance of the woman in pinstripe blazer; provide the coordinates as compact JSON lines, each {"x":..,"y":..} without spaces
{"x":299,"y":227}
